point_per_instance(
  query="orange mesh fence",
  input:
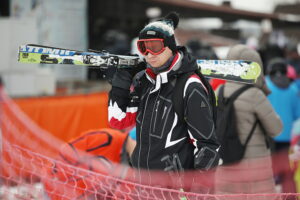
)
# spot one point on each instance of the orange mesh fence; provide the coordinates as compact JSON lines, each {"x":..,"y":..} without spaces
{"x":67,"y":116}
{"x":31,"y":167}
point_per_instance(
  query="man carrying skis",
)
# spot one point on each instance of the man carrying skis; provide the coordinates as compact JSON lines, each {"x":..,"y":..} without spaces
{"x":165,"y":140}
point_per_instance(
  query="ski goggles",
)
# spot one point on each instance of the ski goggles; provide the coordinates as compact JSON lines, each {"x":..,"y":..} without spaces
{"x":154,"y":46}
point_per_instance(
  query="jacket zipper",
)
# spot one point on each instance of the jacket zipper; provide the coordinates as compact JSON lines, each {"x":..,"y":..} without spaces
{"x":141,"y":130}
{"x":156,"y":113}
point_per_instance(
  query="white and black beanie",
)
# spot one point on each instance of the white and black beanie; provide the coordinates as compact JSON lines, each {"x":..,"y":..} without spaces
{"x":163,"y":28}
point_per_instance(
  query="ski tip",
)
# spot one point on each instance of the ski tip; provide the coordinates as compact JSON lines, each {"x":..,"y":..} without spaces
{"x":233,"y":70}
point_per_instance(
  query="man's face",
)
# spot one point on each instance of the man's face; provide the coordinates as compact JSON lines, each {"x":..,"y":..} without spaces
{"x":160,"y":59}
{"x":155,"y":51}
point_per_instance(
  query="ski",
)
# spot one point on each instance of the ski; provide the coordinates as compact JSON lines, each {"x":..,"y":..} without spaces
{"x":234,"y":70}
{"x":32,"y":53}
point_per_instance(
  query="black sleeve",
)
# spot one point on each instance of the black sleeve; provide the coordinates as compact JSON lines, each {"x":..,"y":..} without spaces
{"x":121,"y":109}
{"x":201,"y":128}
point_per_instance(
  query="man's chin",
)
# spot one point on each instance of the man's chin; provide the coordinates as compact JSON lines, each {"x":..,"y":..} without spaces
{"x":155,"y":65}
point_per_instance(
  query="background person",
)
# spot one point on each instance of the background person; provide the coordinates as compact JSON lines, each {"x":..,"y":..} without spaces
{"x":253,"y":174}
{"x":71,"y":175}
{"x":286,"y":101}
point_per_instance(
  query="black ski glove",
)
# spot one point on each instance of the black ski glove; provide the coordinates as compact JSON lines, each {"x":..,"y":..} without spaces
{"x":206,"y":159}
{"x":109,"y":73}
{"x":123,"y":77}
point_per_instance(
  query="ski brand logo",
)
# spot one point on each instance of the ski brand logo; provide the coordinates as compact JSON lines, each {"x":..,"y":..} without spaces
{"x":151,"y":32}
{"x":226,"y":67}
{"x":45,"y":50}
{"x":223,"y":62}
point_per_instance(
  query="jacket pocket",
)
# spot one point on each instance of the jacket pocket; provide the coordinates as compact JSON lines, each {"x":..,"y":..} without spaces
{"x":160,"y":121}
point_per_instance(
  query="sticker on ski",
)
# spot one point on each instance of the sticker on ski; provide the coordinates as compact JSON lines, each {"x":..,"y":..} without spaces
{"x":234,"y":70}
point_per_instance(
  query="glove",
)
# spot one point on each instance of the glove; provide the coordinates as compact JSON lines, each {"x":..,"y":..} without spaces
{"x":206,"y":159}
{"x":123,"y":77}
{"x":108,"y":74}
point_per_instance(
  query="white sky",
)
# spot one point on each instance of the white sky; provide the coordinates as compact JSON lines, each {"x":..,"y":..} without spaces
{"x":266,"y":6}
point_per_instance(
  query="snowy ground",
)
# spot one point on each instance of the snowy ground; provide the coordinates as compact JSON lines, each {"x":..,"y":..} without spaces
{"x":26,"y":192}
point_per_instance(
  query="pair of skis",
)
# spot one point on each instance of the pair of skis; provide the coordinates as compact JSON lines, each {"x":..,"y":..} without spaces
{"x":233,"y":70}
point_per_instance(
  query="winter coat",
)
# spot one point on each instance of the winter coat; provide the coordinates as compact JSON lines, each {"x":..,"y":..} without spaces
{"x":286,"y":102}
{"x":163,"y":141}
{"x":253,"y":174}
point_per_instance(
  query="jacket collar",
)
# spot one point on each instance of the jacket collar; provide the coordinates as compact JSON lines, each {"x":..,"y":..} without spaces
{"x":175,"y":64}
{"x":162,"y":77}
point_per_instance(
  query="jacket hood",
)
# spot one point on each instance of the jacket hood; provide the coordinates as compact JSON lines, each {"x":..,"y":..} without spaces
{"x":242,"y":52}
{"x":186,"y":64}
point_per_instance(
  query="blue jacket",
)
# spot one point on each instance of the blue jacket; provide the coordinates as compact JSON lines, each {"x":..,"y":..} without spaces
{"x":286,"y":103}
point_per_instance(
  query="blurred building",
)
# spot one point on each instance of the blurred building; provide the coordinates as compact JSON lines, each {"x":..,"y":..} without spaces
{"x":51,"y":23}
{"x":111,"y":25}
{"x":293,"y":12}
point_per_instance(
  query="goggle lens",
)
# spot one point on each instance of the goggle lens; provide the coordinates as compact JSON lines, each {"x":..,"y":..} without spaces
{"x":153,"y":46}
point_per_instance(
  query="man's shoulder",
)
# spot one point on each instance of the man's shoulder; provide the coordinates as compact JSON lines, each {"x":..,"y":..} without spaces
{"x":194,"y":82}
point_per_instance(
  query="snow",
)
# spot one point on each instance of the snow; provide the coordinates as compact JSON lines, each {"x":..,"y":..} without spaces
{"x":32,"y":192}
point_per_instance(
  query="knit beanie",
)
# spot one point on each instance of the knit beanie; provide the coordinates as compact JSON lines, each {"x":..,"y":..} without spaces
{"x":162,"y":28}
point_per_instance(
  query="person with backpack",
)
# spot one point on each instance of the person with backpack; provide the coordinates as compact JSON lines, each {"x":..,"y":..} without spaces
{"x":285,"y":99}
{"x":245,"y":152}
{"x":174,"y":132}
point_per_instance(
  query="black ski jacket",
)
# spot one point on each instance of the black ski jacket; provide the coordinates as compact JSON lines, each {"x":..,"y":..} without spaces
{"x":163,"y":141}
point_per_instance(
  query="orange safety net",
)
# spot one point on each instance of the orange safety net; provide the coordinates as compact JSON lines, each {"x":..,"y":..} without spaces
{"x":67,"y":116}
{"x":30,"y":169}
